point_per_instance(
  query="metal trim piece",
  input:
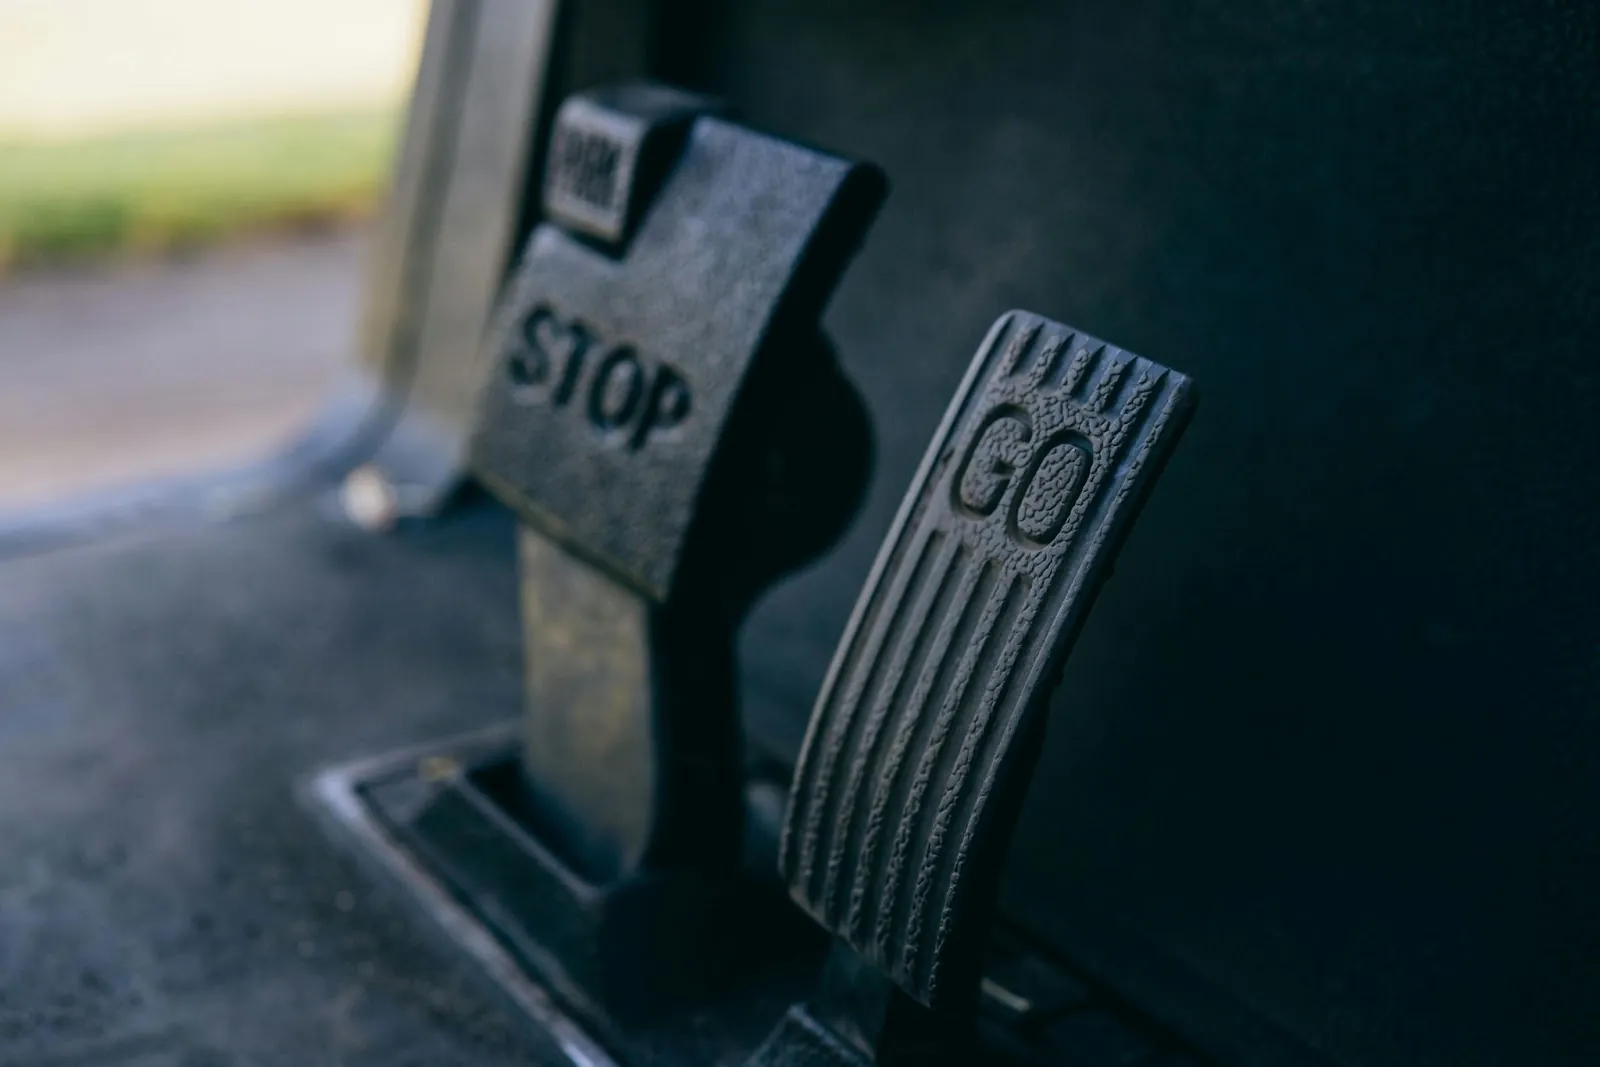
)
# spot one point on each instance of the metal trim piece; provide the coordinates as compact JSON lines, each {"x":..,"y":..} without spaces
{"x":332,"y":792}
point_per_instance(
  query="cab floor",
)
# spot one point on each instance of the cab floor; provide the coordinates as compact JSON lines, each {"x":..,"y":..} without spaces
{"x":169,"y":896}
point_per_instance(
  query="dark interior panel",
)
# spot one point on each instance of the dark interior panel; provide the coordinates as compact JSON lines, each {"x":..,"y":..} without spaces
{"x":1324,"y":761}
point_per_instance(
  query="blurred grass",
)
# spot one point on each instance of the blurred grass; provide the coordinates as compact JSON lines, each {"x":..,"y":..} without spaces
{"x":64,"y":201}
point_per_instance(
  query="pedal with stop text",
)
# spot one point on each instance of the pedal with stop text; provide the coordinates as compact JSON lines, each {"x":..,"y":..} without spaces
{"x":657,"y":367}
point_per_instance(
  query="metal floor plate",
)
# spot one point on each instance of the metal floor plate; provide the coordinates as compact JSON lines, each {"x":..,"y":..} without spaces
{"x":370,"y":804}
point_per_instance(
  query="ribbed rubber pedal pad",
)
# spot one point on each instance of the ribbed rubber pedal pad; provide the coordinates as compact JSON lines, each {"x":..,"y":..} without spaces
{"x":926,"y":730}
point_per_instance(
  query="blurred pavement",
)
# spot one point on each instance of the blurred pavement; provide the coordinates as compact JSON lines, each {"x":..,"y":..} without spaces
{"x":153,"y":369}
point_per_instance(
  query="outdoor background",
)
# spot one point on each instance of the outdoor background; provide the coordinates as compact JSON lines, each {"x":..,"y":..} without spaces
{"x":184,"y":186}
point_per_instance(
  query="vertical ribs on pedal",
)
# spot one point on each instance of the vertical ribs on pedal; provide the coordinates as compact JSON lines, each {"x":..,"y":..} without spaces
{"x":926,"y":729}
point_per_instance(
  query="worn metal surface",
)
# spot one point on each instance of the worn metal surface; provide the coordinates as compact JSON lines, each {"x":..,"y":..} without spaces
{"x":801,"y":1041}
{"x":584,"y":641}
{"x":338,"y":793}
{"x":450,"y":811}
